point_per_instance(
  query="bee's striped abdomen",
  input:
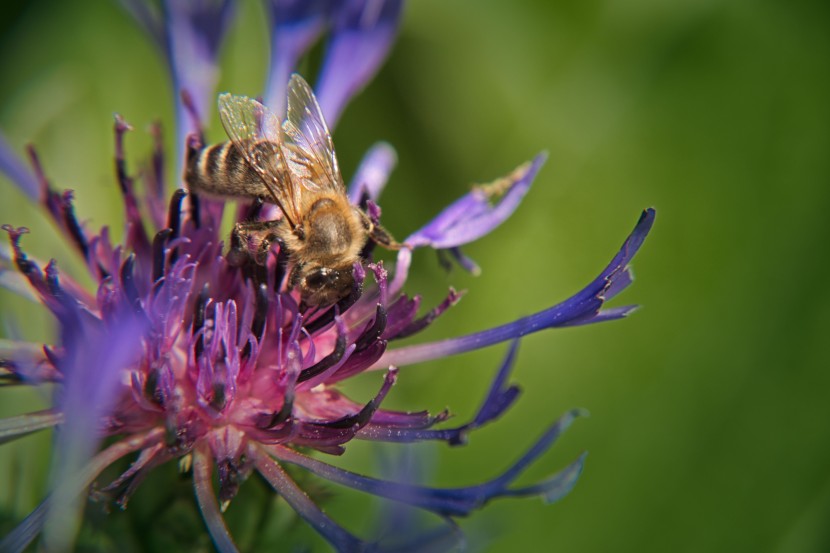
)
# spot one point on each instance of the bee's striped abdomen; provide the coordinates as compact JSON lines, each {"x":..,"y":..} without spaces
{"x":221,"y":170}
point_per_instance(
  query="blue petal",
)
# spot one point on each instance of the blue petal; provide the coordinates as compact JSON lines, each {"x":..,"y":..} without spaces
{"x":556,"y":487}
{"x":195,"y":31}
{"x":296,"y":24}
{"x":459,"y":501}
{"x":363,"y":33}
{"x":498,"y":400}
{"x":371,"y":176}
{"x":582,"y":308}
{"x":474,"y":215}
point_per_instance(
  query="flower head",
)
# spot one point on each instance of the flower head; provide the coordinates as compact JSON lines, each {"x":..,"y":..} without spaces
{"x":179,"y":355}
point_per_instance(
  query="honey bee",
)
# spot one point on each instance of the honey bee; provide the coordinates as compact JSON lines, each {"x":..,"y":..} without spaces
{"x":292,"y":165}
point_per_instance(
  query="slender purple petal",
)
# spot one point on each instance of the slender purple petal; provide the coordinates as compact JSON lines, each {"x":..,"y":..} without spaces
{"x":619,"y":284}
{"x":206,"y":498}
{"x":17,"y":172}
{"x":136,"y":239}
{"x":400,"y":315}
{"x":500,"y":397}
{"x":371,"y":176}
{"x":557,"y":486}
{"x":498,"y":400}
{"x":460,"y":501}
{"x":402,"y":265}
{"x":582,"y":308}
{"x":297,"y":24}
{"x":605,"y":315}
{"x":305,"y":507}
{"x":408,"y":419}
{"x":473,"y":215}
{"x":321,"y":371}
{"x":128,"y":481}
{"x":29,"y":268}
{"x":342,"y":421}
{"x":12,"y":428}
{"x":363,"y":33}
{"x":418,"y":325}
{"x":544,"y":443}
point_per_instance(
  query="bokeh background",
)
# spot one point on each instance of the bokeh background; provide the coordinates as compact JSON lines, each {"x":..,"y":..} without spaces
{"x":710,"y":407}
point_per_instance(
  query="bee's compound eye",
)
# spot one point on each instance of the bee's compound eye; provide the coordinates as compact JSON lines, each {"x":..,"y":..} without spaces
{"x":320,"y":278}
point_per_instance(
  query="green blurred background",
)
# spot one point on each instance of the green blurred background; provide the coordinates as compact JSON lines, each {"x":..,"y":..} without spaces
{"x":710,"y":407}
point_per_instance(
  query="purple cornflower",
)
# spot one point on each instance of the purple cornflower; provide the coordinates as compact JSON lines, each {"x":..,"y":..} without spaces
{"x":179,"y":356}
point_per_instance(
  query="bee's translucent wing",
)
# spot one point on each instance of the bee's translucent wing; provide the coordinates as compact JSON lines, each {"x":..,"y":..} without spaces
{"x":306,"y":141}
{"x":256,"y":133}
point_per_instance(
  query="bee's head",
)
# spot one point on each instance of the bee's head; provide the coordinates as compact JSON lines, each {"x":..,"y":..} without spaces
{"x":324,"y":285}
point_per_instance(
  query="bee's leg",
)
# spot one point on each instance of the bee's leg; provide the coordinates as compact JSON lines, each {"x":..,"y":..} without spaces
{"x":265,"y":246}
{"x":240,"y":250}
{"x":250,"y":213}
{"x":295,"y":276}
{"x":282,"y":265}
{"x":382,"y":237}
{"x":378,"y":234}
{"x":238,"y":253}
{"x":294,"y":279}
